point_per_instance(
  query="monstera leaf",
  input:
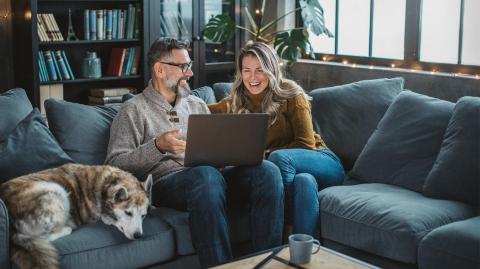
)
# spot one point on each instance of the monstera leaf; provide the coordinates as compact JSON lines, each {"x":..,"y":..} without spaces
{"x":312,"y":15}
{"x":291,"y":45}
{"x":220,"y":28}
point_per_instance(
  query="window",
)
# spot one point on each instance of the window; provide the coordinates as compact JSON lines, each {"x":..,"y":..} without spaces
{"x":369,"y":28}
{"x":432,"y":35}
{"x":440,"y":27}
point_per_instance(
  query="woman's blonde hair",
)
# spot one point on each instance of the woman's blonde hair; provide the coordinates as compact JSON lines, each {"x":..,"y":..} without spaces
{"x":278,"y":89}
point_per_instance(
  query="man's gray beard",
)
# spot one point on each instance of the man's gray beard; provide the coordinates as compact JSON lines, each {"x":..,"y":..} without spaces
{"x":175,"y":87}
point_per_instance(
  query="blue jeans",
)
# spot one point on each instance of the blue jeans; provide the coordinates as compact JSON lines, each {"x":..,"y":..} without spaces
{"x":304,"y":173}
{"x":202,"y":191}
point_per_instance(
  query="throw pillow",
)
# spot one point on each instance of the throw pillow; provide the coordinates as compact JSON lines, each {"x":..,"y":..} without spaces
{"x":345,"y":116}
{"x":456,"y":172}
{"x":29,"y":148}
{"x":14,"y":107}
{"x":403,"y":148}
{"x":222,"y":90}
{"x":205,"y":93}
{"x":82,"y":131}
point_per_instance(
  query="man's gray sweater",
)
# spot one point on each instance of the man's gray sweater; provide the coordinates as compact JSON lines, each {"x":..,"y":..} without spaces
{"x":140,"y":121}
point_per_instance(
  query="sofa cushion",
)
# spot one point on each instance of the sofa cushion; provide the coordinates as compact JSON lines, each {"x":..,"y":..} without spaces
{"x":29,"y":148}
{"x":178,"y":220}
{"x":101,"y":246}
{"x":384,"y":219}
{"x":222,"y":90}
{"x":456,"y":172}
{"x":456,"y":245}
{"x":345,"y":116}
{"x":205,"y":93}
{"x":82,"y":131}
{"x":14,"y":107}
{"x":405,"y":144}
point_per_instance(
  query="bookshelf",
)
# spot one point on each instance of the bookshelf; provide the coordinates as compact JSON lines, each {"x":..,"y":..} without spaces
{"x":28,"y":70}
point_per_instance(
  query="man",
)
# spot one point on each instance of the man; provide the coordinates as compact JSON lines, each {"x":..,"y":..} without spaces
{"x":148,"y":136}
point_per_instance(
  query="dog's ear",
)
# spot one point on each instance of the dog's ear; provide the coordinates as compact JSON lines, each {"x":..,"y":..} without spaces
{"x":121,"y":195}
{"x":147,"y":185}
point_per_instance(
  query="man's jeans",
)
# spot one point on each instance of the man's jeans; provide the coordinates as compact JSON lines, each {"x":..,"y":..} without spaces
{"x":304,"y":173}
{"x":202,"y":192}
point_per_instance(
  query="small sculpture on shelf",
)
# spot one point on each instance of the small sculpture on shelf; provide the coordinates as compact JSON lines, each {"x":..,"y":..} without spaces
{"x":71,"y":33}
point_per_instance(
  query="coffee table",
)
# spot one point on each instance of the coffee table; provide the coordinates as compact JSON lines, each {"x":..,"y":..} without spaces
{"x":278,"y":258}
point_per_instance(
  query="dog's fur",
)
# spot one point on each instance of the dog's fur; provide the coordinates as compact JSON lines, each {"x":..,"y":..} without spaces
{"x":46,"y":205}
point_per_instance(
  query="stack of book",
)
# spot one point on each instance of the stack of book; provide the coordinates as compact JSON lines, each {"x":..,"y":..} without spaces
{"x":47,"y":28}
{"x":108,"y":24}
{"x":108,"y":96}
{"x":54,"y":65}
{"x":124,"y":61}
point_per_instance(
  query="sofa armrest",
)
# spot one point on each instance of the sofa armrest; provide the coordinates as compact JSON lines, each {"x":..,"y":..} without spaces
{"x":4,"y":237}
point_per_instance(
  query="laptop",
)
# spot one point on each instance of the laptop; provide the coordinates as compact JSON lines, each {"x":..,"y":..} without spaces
{"x":226,"y":139}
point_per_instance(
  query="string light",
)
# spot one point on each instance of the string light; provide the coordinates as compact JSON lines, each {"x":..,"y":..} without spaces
{"x":414,"y":69}
{"x":257,"y":11}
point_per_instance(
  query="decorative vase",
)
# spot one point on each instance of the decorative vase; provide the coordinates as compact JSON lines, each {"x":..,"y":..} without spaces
{"x":91,"y":66}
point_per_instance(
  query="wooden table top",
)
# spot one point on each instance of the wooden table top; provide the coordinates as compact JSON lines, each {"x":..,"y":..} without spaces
{"x":325,"y":259}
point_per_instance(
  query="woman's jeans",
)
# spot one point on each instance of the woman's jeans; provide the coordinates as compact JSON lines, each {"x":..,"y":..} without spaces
{"x":304,"y":173}
{"x":203,"y":191}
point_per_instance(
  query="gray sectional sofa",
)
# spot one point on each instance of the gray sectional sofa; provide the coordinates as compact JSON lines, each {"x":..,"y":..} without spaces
{"x":413,"y":187}
{"x":411,"y":196}
{"x":80,"y":133}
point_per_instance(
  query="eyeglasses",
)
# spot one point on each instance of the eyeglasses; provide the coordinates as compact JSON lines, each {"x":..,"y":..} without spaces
{"x":185,"y":67}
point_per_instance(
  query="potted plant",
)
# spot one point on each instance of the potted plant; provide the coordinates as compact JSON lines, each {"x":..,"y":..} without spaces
{"x":290,"y":44}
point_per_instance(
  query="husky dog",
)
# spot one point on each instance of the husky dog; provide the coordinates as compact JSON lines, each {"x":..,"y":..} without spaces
{"x":47,"y":205}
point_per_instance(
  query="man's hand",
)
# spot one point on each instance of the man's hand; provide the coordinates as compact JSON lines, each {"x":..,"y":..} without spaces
{"x":168,"y":142}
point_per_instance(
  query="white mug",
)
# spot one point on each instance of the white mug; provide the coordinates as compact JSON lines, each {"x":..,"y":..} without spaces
{"x":301,"y":246}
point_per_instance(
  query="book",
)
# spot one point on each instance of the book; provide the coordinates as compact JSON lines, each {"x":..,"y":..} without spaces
{"x":136,"y":59}
{"x":48,"y":28}
{"x":67,"y":63}
{"x":104,"y":100}
{"x":42,"y":68}
{"x":61,"y":65}
{"x":86,"y":24}
{"x":55,"y":64}
{"x":131,"y":54}
{"x":93,"y":25}
{"x":50,"y":91}
{"x":109,"y":92}
{"x":115,"y":64}
{"x":52,"y":73}
{"x":55,"y":26}
{"x":109,"y":25}
{"x":125,"y":62}
{"x":114,"y":24}
{"x":130,"y":21}
{"x":41,"y":29}
{"x":100,"y":32}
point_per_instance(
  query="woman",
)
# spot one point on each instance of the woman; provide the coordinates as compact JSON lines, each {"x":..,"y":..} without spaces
{"x":305,"y":162}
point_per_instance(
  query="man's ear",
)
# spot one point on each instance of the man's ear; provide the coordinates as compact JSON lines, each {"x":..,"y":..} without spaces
{"x":158,"y":69}
{"x":147,"y":185}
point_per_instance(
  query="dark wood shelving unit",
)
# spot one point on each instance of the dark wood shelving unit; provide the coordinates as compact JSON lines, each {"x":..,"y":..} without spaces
{"x":28,"y":45}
